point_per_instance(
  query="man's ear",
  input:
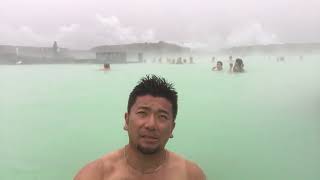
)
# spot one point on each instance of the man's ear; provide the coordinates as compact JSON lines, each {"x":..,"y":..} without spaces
{"x":173,"y":126}
{"x":126,"y":121}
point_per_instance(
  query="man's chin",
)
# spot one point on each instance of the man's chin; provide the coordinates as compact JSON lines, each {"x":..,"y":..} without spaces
{"x":148,"y":150}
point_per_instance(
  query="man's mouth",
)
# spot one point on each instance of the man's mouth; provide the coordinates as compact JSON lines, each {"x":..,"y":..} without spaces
{"x":150,"y":138}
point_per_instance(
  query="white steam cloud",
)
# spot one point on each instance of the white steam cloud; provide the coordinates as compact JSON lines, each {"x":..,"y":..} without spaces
{"x":253,"y":34}
{"x":114,"y":32}
{"x":105,"y":30}
{"x":22,"y":36}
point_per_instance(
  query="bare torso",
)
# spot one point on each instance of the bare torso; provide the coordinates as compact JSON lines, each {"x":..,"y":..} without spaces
{"x":114,"y":166}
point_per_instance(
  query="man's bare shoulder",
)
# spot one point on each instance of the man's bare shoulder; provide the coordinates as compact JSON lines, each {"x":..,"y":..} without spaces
{"x":98,"y":169}
{"x":175,"y":158}
{"x":194,"y":172}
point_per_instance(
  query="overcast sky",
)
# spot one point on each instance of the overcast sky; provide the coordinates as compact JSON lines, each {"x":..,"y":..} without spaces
{"x":82,"y":24}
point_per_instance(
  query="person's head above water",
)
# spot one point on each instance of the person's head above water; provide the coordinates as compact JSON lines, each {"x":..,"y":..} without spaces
{"x":152,"y":98}
{"x":219,"y":65}
{"x":157,"y":87}
{"x":149,"y":121}
{"x":238,"y":66}
{"x":106,"y":66}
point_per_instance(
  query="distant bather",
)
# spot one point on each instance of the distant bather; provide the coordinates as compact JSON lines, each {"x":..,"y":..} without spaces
{"x":106,"y":67}
{"x":238,"y":66}
{"x":218,"y":67}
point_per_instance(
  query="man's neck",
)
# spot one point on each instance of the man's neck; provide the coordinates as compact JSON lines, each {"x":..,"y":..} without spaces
{"x":144,"y":163}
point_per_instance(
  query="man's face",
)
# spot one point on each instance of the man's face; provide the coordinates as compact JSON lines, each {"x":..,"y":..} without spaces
{"x":150,"y":123}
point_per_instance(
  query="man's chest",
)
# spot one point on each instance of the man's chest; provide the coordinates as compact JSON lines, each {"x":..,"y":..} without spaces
{"x":160,"y":175}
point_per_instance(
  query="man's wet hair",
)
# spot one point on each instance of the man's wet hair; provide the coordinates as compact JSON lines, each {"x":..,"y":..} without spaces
{"x":155,"y":86}
{"x":220,"y":62}
{"x":239,"y":61}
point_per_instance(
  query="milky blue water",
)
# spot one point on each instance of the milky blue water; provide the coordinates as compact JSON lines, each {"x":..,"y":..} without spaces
{"x":260,"y":125}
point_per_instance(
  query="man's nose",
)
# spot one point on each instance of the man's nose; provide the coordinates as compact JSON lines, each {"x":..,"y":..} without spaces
{"x":151,"y":122}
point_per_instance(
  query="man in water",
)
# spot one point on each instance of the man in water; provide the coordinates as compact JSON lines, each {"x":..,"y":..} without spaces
{"x":238,"y":66}
{"x":218,"y":67}
{"x":149,"y":121}
{"x":106,"y":67}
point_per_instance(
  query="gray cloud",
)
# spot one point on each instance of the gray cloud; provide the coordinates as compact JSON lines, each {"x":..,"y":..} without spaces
{"x":107,"y":30}
{"x":197,"y":23}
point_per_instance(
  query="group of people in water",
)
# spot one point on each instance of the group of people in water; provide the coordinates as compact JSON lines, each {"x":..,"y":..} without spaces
{"x":179,"y":60}
{"x":237,"y":67}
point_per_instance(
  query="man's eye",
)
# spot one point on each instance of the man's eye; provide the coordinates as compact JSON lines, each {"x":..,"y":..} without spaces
{"x":141,"y":113}
{"x":163,"y":117}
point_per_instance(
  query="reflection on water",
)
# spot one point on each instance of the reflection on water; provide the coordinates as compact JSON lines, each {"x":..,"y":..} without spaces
{"x":263,"y":124}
